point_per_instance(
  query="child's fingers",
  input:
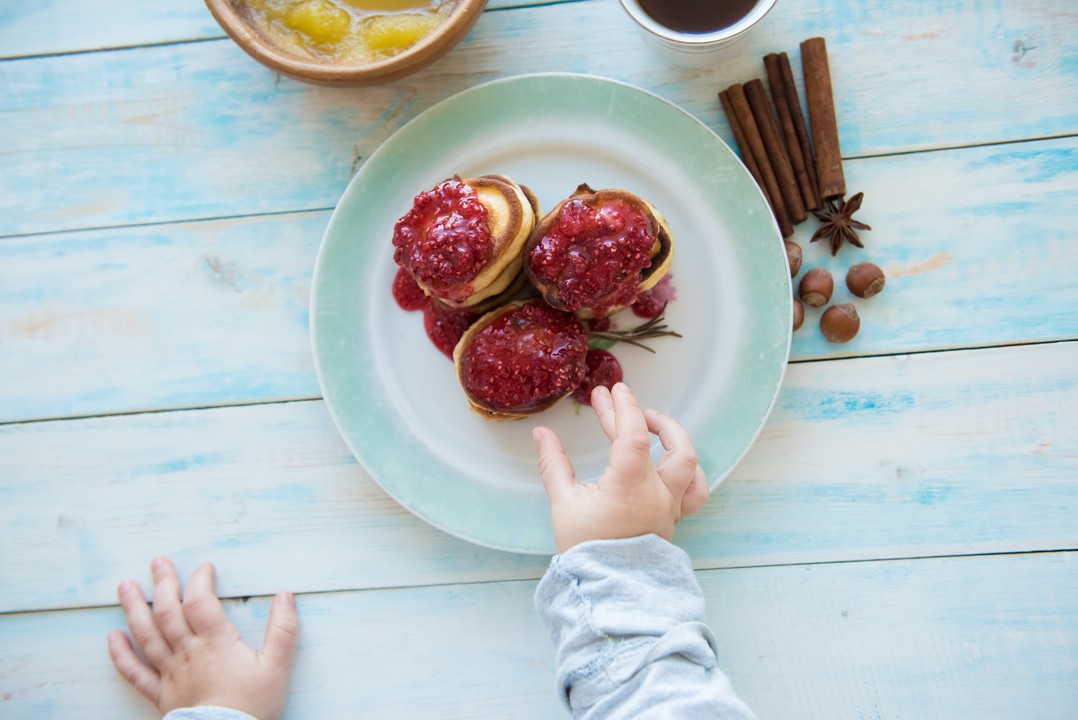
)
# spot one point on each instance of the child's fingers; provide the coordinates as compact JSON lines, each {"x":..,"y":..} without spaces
{"x":202,"y":609}
{"x":631,"y":451}
{"x":555,"y":468}
{"x":282,"y":631}
{"x":696,"y":494}
{"x":678,"y":466}
{"x":141,"y":623}
{"x":603,"y":405}
{"x":167,"y":607}
{"x":142,"y":677}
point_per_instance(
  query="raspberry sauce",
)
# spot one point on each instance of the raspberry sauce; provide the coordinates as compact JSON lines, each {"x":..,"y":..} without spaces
{"x":445,"y":327}
{"x":600,"y":324}
{"x":524,"y":358}
{"x":602,"y":369}
{"x":407,"y":293}
{"x":594,"y":256}
{"x":650,"y":304}
{"x":444,"y":240}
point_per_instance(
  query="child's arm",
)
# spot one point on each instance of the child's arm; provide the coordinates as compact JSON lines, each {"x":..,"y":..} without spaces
{"x":621,"y":603}
{"x":196,"y":666}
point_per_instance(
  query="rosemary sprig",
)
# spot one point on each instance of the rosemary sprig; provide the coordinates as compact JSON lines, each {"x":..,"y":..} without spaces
{"x":651,"y":329}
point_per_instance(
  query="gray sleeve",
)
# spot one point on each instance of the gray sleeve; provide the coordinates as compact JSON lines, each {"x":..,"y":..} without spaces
{"x":627,"y":621}
{"x":207,"y":713}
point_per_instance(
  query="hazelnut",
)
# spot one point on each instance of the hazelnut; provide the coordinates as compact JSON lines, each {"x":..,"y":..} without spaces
{"x":793,"y":254}
{"x":865,"y":279}
{"x":799,"y":314}
{"x":839,"y":323}
{"x":816,"y":287}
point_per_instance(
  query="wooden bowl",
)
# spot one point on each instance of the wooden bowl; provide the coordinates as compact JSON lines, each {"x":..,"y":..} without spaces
{"x":344,"y":73}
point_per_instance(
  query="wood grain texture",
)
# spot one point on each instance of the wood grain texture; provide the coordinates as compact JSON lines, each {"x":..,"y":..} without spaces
{"x":211,"y":313}
{"x":949,"y":453}
{"x":952,"y":231}
{"x":269,"y":487}
{"x":161,"y":204}
{"x":183,"y":315}
{"x":56,"y":26}
{"x":199,"y":130}
{"x":953,"y":638}
{"x":110,"y":24}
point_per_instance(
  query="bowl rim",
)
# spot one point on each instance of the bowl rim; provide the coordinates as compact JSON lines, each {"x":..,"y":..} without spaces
{"x":461,"y":19}
{"x":743,"y":25}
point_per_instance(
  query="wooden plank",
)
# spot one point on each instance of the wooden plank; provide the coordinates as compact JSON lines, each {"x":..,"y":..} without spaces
{"x":211,"y":313}
{"x":199,"y":130}
{"x":109,"y":24}
{"x":961,"y":638}
{"x":58,"y":26}
{"x":903,"y":456}
{"x":953,"y":233}
{"x":184,"y":315}
{"x":937,"y":454}
{"x":272,"y":482}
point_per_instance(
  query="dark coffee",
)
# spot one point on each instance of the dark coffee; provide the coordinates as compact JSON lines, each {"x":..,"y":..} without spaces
{"x":697,"y":16}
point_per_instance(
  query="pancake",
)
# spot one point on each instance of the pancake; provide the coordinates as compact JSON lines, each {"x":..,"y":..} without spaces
{"x":520,"y":359}
{"x":462,"y":240}
{"x":596,"y":251}
{"x":520,"y":288}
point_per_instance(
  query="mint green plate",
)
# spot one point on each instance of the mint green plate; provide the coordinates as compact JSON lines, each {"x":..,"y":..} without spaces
{"x":396,"y":399}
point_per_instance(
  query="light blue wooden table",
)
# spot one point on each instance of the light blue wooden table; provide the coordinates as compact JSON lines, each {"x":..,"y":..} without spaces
{"x":899,"y":542}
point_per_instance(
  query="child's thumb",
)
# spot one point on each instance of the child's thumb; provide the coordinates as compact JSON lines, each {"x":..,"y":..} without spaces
{"x":555,"y":468}
{"x":282,"y":631}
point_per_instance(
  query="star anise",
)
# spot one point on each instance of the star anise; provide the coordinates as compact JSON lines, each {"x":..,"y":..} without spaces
{"x":838,"y":223}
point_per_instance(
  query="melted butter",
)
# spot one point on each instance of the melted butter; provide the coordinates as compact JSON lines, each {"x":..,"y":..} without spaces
{"x":354,"y":31}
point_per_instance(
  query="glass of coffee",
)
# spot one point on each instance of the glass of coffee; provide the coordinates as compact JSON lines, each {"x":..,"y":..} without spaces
{"x":690,"y":32}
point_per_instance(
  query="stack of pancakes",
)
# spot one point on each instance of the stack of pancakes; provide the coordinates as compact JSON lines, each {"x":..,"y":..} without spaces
{"x":507,"y":276}
{"x":511,"y":211}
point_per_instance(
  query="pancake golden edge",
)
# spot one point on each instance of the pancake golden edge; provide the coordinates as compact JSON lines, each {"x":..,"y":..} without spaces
{"x":485,"y":411}
{"x":512,"y":210}
{"x":662,"y":250}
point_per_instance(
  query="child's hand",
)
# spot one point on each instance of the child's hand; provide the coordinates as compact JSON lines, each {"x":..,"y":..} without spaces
{"x":196,"y":656}
{"x":632,"y":497}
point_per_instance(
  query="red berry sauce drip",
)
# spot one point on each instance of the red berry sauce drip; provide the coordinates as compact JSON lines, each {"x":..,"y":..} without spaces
{"x":650,"y":304}
{"x":594,"y":256}
{"x":445,"y":327}
{"x":525,"y":357}
{"x":444,"y":240}
{"x":603,"y":369}
{"x":600,"y":324}
{"x":407,"y":293}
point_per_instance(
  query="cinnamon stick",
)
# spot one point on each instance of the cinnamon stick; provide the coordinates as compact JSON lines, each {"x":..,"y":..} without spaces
{"x":743,"y":143}
{"x":776,"y":149}
{"x":821,"y":109}
{"x":756,"y":144}
{"x":803,"y":138}
{"x":789,"y":133}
